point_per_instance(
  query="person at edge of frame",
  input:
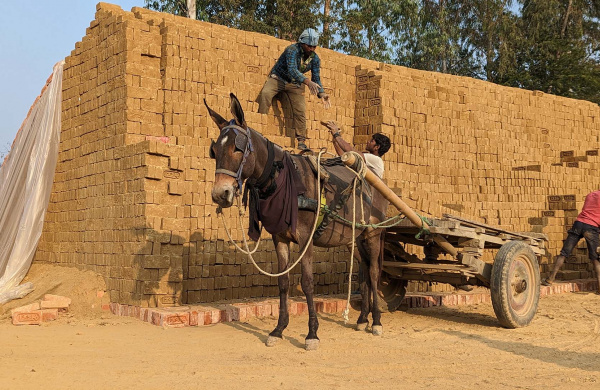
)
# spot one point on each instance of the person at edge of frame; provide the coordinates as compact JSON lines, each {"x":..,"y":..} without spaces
{"x":585,"y":226}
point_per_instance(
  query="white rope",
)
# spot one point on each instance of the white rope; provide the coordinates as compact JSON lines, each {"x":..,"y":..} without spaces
{"x":229,"y":234}
{"x":249,"y":253}
{"x":359,"y":175}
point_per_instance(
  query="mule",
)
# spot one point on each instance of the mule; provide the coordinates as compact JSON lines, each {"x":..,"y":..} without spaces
{"x":241,"y":155}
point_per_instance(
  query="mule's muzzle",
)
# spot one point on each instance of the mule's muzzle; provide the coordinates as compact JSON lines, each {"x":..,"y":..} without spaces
{"x":223,"y":195}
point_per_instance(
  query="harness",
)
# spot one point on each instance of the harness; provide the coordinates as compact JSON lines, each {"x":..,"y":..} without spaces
{"x":243,"y":143}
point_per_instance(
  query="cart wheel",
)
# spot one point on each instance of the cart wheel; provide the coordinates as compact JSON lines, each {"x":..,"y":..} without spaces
{"x":391,"y":292}
{"x":515,"y":284}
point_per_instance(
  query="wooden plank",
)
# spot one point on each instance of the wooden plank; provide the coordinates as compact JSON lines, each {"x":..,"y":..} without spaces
{"x":488,"y":227}
{"x":445,"y":267}
{"x":454,"y":279}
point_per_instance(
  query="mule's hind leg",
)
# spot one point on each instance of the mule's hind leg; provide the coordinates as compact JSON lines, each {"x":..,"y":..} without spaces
{"x":312,"y":341}
{"x":369,"y":251}
{"x":364,"y":282}
{"x":372,"y":246}
{"x":283,"y":253}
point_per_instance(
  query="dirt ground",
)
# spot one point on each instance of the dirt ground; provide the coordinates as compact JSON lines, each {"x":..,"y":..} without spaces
{"x":459,"y":347}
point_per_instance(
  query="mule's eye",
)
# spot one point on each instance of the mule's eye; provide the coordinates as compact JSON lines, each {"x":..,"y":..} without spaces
{"x":211,"y":150}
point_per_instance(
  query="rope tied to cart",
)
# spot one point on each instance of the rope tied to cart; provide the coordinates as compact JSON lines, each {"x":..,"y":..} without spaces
{"x":424,"y":230}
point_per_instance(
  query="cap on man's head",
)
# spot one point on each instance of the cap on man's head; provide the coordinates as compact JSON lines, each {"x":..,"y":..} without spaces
{"x":310,"y":37}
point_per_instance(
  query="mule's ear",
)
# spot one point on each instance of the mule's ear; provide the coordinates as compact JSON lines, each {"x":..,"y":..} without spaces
{"x":218,"y":119}
{"x":236,"y":110}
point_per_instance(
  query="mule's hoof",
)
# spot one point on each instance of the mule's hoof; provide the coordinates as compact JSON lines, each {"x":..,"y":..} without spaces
{"x":362,"y":327}
{"x":272,"y":341}
{"x":311,"y":344}
{"x":377,"y":330}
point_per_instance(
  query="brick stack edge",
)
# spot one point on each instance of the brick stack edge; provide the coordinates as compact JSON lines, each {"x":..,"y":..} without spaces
{"x":131,"y":195}
{"x":178,"y":317}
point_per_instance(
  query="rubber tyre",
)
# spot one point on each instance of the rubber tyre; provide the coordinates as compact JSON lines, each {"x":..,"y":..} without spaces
{"x":391,"y":292}
{"x":515,"y":284}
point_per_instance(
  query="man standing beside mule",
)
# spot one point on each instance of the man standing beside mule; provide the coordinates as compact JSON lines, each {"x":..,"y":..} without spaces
{"x":586,"y":226}
{"x":377,"y":146}
{"x":287,"y":78}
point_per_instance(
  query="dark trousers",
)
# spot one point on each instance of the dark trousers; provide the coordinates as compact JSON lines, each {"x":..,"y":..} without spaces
{"x":577,"y":231}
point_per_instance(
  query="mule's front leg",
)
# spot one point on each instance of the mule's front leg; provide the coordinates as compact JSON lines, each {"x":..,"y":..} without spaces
{"x":283,"y":253}
{"x":312,"y":341}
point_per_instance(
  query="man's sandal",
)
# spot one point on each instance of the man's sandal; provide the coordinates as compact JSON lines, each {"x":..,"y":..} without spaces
{"x":302,"y":146}
{"x":546,"y":282}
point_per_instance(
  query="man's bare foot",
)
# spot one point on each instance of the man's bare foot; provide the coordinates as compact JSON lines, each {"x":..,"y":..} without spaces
{"x":546,"y":282}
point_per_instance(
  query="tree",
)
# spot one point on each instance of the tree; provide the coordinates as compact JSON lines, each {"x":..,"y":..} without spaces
{"x":284,"y":19}
{"x":367,"y":27}
{"x":489,"y":28}
{"x":559,"y":53}
{"x":431,"y":40}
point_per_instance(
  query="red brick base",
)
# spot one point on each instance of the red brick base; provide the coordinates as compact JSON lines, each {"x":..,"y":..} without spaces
{"x":176,"y":317}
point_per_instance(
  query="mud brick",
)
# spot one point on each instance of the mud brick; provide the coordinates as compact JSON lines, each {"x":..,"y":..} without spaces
{"x":170,"y":319}
{"x":145,"y":314}
{"x":548,"y":213}
{"x":567,"y":153}
{"x":573,"y":164}
{"x":194,"y":316}
{"x":252,"y":69}
{"x":27,"y":308}
{"x":319,"y":305}
{"x":33,"y":317}
{"x":55,"y":302}
{"x":49,"y":314}
{"x":230,"y":314}
{"x":215,"y":316}
{"x":591,"y":152}
{"x":208,"y":317}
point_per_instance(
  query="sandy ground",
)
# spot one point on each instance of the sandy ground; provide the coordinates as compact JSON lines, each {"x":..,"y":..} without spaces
{"x":437,"y":348}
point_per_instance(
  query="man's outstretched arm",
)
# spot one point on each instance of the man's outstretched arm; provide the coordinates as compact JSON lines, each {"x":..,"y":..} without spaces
{"x":340,"y":145}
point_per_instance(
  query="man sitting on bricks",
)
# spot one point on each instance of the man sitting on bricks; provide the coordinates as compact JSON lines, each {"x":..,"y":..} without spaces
{"x":587,"y":226}
{"x":287,"y":78}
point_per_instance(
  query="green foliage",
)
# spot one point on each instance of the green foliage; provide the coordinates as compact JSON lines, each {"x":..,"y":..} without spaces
{"x":548,"y":45}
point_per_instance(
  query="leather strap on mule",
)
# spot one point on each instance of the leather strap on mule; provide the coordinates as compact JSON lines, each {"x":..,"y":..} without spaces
{"x":267,"y":172}
{"x":249,"y":148}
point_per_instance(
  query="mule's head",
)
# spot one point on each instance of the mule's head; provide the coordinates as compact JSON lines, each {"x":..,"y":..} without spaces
{"x":232,"y":154}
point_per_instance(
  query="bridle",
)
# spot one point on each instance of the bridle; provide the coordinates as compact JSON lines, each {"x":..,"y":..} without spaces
{"x":243,"y":143}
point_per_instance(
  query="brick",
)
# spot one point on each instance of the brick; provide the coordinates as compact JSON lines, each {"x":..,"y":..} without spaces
{"x":26,"y":308}
{"x":57,"y":298}
{"x":49,"y":314}
{"x":33,"y":317}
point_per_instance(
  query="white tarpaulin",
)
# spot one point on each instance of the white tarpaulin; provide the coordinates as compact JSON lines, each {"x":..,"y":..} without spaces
{"x":25,"y":184}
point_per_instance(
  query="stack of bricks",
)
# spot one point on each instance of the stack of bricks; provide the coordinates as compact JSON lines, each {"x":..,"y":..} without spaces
{"x":132,"y":192}
{"x":46,"y":310}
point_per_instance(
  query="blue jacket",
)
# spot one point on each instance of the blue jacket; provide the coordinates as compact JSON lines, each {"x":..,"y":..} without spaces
{"x":290,"y":66}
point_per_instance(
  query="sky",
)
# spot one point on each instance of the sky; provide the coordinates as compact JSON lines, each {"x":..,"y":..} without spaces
{"x":35,"y":35}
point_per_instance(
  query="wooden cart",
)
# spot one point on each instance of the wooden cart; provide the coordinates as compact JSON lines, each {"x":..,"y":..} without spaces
{"x":513,"y":277}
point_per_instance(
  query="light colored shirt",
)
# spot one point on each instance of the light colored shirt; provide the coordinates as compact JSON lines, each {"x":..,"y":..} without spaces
{"x":374,"y":163}
{"x":590,"y":213}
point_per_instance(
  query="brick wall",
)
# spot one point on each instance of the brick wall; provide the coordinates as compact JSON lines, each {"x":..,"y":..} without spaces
{"x":131,"y":197}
